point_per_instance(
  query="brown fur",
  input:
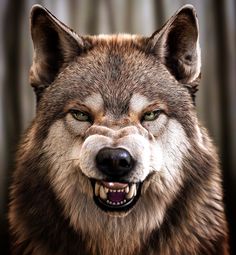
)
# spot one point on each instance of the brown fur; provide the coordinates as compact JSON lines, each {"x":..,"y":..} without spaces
{"x":116,"y":78}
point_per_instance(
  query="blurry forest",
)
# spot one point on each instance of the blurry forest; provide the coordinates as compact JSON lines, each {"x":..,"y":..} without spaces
{"x":216,"y":99}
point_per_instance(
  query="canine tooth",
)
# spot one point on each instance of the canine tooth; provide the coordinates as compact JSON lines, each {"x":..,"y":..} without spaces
{"x":131,"y":191}
{"x":103,"y":194}
{"x":129,"y":195}
{"x":127,"y":189}
{"x":106,"y":189}
{"x":97,"y":188}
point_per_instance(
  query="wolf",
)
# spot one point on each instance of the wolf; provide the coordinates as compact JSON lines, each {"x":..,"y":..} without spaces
{"x":115,"y":160}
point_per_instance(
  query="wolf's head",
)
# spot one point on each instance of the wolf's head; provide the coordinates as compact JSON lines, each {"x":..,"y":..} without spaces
{"x":115,"y":119}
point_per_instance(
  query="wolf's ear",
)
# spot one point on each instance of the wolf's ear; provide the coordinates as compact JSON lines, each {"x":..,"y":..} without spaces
{"x":176,"y":45}
{"x":55,"y":45}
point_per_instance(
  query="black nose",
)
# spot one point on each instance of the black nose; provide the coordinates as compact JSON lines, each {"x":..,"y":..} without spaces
{"x":114,"y":162}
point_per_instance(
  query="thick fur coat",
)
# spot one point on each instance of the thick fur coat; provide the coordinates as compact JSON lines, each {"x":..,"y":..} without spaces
{"x":117,"y":91}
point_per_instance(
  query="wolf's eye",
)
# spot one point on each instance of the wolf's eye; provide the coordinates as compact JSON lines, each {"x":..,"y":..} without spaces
{"x":150,"y":116}
{"x":81,"y":116}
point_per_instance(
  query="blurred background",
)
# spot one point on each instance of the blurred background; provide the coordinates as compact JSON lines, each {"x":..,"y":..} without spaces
{"x":216,"y":100}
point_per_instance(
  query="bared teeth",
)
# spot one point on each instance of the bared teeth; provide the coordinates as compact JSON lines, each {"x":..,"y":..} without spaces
{"x":132,"y":191}
{"x":116,"y":203}
{"x":102,"y":193}
{"x":97,"y":188}
{"x":116,"y":190}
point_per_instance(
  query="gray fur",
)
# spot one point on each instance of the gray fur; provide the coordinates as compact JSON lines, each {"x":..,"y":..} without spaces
{"x":116,"y":78}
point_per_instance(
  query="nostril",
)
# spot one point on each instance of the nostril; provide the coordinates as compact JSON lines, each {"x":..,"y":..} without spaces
{"x":107,"y":163}
{"x":124,"y":163}
{"x":103,"y":160}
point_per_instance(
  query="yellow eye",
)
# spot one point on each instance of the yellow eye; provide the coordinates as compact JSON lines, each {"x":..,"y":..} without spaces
{"x":80,"y":116}
{"x":150,"y":116}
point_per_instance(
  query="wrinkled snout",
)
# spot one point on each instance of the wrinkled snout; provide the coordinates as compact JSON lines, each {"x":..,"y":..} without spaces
{"x":116,"y":155}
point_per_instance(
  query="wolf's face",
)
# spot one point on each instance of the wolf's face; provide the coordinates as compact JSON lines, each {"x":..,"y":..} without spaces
{"x":115,"y":116}
{"x":115,"y":161}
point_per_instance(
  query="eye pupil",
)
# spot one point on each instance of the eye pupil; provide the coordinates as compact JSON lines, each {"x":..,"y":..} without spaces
{"x":80,"y":116}
{"x":150,"y":116}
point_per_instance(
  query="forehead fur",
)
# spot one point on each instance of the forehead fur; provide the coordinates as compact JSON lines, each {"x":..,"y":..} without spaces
{"x":116,"y":64}
{"x":116,"y":67}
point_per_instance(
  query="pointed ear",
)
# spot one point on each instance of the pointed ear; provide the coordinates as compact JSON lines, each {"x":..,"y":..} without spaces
{"x":176,"y":45}
{"x":55,"y":45}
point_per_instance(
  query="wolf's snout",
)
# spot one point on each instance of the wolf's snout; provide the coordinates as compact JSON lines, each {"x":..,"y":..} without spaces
{"x":114,"y":162}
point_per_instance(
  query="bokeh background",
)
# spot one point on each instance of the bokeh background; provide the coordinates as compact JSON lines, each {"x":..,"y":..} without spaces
{"x":216,"y":100}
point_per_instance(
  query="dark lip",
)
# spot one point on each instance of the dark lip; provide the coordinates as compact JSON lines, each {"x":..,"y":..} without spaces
{"x":118,"y":208}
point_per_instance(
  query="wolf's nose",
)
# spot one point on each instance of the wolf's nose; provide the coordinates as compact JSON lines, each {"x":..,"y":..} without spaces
{"x":114,"y":162}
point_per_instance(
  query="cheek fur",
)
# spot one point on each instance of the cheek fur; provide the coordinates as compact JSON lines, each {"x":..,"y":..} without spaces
{"x":157,"y":126}
{"x":75,"y":127}
{"x":64,"y":174}
{"x":156,"y":161}
{"x":175,"y":146}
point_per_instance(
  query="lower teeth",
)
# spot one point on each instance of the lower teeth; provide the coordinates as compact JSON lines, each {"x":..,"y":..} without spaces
{"x":116,"y":203}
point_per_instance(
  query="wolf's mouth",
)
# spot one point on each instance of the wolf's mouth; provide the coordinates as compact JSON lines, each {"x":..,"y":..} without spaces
{"x":115,"y":196}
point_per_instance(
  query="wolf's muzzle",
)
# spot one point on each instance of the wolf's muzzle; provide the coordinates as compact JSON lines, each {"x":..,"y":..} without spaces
{"x":114,"y":162}
{"x":115,"y":192}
